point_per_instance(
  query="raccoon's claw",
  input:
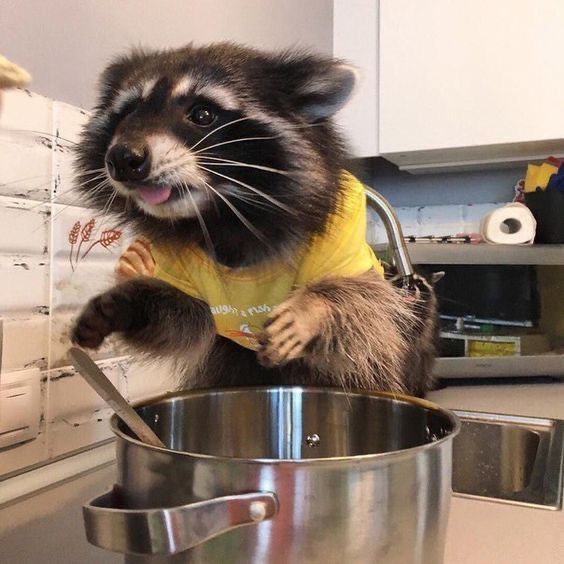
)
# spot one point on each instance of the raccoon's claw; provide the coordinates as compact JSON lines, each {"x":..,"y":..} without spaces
{"x":290,"y":328}
{"x":102,"y":316}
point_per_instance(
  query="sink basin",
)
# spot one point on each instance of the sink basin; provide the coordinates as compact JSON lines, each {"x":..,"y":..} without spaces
{"x":509,"y":459}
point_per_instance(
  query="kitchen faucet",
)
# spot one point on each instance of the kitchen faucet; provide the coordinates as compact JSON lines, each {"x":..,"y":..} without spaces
{"x":396,"y":240}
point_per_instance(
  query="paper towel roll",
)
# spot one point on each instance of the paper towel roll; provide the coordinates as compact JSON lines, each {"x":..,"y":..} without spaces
{"x":513,"y":224}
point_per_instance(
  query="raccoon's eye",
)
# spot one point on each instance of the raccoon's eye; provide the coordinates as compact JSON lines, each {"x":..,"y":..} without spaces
{"x":202,"y":115}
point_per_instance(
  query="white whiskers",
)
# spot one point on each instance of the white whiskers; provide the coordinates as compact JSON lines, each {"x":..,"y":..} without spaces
{"x":239,"y":215}
{"x":229,"y":162}
{"x":240,"y":140}
{"x":203,"y":226}
{"x":216,"y":130}
{"x":267,"y":197}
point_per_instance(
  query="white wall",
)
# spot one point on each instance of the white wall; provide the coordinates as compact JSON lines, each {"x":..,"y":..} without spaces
{"x":65,"y":43}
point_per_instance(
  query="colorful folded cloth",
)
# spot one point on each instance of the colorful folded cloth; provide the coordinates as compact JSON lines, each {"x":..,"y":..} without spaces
{"x":538,"y":176}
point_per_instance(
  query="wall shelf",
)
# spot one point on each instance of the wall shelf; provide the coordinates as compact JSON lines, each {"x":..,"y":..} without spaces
{"x":445,"y":253}
{"x":503,"y":366}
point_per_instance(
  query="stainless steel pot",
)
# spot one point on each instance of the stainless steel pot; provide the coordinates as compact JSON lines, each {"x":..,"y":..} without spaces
{"x":281,"y":475}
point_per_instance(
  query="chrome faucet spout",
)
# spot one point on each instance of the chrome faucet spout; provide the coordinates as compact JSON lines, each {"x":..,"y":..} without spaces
{"x":396,"y":240}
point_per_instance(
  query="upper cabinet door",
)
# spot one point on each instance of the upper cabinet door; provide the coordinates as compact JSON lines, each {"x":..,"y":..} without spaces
{"x":469,"y":74}
{"x":355,"y":39}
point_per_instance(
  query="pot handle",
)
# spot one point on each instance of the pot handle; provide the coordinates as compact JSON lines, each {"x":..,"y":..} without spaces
{"x":171,"y":530}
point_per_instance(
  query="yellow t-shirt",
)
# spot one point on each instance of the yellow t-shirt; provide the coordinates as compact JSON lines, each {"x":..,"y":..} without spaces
{"x":241,"y":299}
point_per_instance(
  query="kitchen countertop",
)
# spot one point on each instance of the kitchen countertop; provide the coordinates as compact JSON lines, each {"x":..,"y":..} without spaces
{"x":482,"y":532}
{"x":534,"y":400}
{"x":47,"y":527}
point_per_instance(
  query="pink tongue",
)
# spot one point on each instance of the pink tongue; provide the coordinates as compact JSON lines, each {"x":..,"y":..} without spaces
{"x":154,"y":194}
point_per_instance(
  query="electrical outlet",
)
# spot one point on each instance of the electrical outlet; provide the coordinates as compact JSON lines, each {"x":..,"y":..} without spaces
{"x":20,"y":409}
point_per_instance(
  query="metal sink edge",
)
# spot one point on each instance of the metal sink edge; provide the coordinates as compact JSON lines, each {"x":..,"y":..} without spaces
{"x":545,"y":489}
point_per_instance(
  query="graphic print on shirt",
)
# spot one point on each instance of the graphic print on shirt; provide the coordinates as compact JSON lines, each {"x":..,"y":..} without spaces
{"x":251,"y":318}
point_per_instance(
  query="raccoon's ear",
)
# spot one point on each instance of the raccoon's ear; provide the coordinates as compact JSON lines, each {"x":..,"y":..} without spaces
{"x":324,"y":93}
{"x":436,"y":276}
{"x":317,"y":88}
{"x":116,"y":73}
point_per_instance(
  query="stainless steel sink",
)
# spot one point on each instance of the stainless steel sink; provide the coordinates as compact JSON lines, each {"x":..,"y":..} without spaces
{"x":509,"y":459}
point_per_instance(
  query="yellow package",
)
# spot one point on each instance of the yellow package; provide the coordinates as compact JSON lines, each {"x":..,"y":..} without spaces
{"x":538,"y":176}
{"x":492,"y":348}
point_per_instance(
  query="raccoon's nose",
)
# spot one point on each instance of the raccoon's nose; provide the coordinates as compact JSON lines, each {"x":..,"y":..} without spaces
{"x":128,"y":163}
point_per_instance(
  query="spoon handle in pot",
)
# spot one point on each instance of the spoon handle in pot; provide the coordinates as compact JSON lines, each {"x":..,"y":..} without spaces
{"x":109,"y":393}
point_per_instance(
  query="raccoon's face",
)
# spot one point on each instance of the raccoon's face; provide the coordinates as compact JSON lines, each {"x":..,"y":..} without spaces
{"x":221,"y":145}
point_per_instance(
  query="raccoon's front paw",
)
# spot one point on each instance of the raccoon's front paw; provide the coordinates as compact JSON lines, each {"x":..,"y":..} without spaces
{"x":103,"y":315}
{"x":291,"y":328}
{"x":137,"y":260}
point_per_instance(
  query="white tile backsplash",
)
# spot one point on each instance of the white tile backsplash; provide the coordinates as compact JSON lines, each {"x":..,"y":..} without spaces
{"x":26,"y":112}
{"x":25,"y":167}
{"x":67,"y":435}
{"x":85,"y":253}
{"x":68,"y":121}
{"x":26,"y":143}
{"x":62,"y":320}
{"x":143,"y":379}
{"x":64,"y":187}
{"x":77,"y":416}
{"x":81,"y":236}
{"x":25,"y":342}
{"x":54,"y":256}
{"x":73,"y":289}
{"x":24,"y":228}
{"x":24,"y":283}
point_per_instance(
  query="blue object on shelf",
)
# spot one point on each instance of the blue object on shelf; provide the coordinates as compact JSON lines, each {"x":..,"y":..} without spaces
{"x":556,"y":181}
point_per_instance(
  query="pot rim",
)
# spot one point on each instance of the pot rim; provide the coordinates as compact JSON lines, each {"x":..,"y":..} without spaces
{"x":405,"y":452}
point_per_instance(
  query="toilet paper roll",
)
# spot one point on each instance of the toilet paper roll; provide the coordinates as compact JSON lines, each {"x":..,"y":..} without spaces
{"x":513,"y":224}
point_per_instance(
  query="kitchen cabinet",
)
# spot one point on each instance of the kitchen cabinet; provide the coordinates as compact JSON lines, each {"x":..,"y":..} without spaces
{"x":468,"y":83}
{"x":355,"y":39}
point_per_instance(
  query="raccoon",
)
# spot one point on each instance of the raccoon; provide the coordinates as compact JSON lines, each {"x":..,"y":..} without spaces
{"x":227,"y":161}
